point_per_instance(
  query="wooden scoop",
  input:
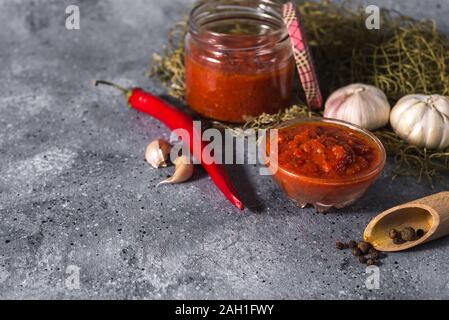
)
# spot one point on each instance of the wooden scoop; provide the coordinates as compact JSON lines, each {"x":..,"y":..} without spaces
{"x":430,"y":214}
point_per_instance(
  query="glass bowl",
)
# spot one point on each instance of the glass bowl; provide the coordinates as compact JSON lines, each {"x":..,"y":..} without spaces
{"x":324,"y":193}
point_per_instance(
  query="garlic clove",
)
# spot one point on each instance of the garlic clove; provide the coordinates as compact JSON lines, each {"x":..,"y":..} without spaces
{"x":417,"y":135}
{"x":441,"y":103}
{"x":183,"y":171}
{"x":445,"y":140}
{"x":409,"y":120}
{"x":434,"y":134}
{"x":363,"y":105}
{"x":157,"y":153}
{"x":422,"y":121}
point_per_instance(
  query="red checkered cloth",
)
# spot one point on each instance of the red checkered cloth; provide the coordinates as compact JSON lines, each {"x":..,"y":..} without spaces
{"x":303,"y":56}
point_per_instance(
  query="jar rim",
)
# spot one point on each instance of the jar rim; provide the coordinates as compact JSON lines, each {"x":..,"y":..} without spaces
{"x":269,"y":11}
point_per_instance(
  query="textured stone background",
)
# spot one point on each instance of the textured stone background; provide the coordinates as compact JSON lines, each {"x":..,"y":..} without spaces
{"x":75,"y":190}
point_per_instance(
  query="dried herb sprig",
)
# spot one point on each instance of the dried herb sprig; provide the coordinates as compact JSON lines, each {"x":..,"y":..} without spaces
{"x":266,"y":121}
{"x":414,"y":60}
{"x":413,"y":161}
{"x":169,"y":67}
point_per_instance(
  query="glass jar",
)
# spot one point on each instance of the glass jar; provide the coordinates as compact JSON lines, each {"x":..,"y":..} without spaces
{"x":239,"y":61}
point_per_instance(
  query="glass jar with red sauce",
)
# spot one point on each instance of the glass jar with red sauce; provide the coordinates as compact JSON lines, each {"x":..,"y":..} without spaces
{"x":325,"y":162}
{"x":239,"y":61}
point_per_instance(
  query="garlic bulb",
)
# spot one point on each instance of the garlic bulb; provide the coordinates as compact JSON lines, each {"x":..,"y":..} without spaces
{"x":183,"y":171}
{"x":360,"y":104}
{"x":157,"y":153}
{"x":422,"y":121}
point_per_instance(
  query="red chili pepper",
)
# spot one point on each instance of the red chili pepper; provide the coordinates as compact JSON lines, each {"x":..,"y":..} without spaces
{"x":174,"y":119}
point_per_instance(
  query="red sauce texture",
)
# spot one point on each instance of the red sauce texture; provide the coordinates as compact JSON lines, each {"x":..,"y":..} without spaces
{"x":234,"y":91}
{"x":327,"y":151}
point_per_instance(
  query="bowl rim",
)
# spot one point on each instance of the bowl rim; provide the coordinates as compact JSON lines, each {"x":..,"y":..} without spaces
{"x":344,"y":181}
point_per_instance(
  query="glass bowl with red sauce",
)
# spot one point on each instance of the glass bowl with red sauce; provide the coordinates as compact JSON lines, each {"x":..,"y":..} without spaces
{"x":324,"y":162}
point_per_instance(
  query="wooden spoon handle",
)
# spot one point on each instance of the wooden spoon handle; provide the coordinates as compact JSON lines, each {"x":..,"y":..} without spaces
{"x":439,"y":203}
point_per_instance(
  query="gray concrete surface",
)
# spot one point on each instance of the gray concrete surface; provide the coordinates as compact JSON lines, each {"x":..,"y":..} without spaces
{"x":75,"y":190}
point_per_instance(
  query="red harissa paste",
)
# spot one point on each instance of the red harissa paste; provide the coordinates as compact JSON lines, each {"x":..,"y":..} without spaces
{"x":326,"y":151}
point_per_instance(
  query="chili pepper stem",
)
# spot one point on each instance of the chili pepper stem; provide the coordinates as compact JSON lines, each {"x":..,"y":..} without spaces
{"x":126,"y":92}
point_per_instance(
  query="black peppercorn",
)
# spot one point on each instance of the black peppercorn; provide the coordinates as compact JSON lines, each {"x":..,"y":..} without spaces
{"x":398,"y":241}
{"x":364,"y":247}
{"x":373,"y":255}
{"x":372,"y":262}
{"x":352,"y":244}
{"x":420,"y":233}
{"x":340,"y":245}
{"x":408,"y":234}
{"x":357,"y":252}
{"x":393,"y":234}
